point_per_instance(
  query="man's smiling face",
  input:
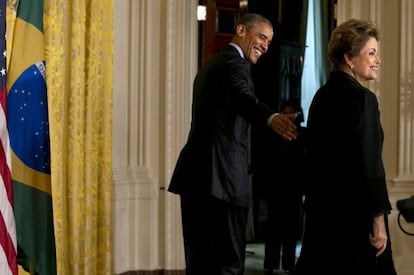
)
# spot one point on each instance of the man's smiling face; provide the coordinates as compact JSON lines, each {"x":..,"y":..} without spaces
{"x":254,"y":41}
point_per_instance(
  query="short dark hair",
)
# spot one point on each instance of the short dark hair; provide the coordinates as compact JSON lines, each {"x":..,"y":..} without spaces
{"x":349,"y":38}
{"x":251,"y":19}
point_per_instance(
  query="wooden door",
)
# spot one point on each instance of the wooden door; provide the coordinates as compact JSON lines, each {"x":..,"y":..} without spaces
{"x":218,"y":30}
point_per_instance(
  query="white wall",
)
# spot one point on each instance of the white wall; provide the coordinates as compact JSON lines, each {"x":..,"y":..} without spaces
{"x":155,"y":55}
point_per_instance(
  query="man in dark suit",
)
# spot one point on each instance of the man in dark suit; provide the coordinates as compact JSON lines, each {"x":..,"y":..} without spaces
{"x":211,"y":174}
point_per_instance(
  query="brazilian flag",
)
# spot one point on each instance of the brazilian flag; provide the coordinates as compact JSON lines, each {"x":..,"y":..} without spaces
{"x":29,"y":139}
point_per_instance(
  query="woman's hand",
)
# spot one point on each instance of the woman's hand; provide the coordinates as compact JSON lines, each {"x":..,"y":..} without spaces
{"x":378,"y":238}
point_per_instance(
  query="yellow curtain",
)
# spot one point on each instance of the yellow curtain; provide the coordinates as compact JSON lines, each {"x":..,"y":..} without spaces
{"x":79,"y":63}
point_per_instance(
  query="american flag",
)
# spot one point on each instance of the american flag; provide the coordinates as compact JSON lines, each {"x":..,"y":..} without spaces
{"x":8,"y":260}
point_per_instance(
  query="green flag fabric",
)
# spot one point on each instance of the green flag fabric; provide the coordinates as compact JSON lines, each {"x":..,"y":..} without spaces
{"x":27,"y":111}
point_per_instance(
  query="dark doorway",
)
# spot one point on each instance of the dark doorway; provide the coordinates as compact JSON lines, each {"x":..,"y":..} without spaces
{"x":218,"y":29}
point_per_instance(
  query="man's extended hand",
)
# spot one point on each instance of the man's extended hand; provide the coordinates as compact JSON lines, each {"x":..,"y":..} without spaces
{"x":283,"y":124}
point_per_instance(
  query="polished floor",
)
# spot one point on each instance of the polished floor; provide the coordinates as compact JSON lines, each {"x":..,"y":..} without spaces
{"x":255,"y":257}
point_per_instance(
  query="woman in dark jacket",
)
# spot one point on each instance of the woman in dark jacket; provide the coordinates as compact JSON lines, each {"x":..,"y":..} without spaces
{"x":347,"y":204}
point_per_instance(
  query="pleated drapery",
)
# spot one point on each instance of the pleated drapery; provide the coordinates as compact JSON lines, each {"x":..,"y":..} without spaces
{"x":79,"y":73}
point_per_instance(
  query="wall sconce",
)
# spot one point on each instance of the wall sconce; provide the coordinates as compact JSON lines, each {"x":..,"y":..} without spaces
{"x":201,"y":12}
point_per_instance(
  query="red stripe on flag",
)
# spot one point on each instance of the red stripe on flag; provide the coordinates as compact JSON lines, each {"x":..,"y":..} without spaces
{"x":4,"y":168}
{"x":6,"y":175}
{"x":3,"y":99}
{"x":7,"y":245}
{"x":7,"y":222}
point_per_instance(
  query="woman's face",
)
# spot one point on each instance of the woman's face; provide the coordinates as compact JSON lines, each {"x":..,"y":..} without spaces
{"x":288,"y":110}
{"x":365,"y":65}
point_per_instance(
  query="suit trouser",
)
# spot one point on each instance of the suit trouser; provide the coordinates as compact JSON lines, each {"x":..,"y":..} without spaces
{"x":214,"y":236}
{"x":282,"y":230}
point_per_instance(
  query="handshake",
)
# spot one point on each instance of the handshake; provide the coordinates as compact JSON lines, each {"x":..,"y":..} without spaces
{"x":284,"y":125}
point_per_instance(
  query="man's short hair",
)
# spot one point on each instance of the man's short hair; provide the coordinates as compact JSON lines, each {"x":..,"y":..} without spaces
{"x":251,"y":19}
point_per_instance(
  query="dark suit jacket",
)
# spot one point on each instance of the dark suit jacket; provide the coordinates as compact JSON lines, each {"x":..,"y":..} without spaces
{"x":347,"y":180}
{"x":345,"y":147}
{"x":214,"y":159}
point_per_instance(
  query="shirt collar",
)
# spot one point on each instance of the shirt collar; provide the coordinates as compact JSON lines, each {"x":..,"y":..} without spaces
{"x":237,"y":48}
